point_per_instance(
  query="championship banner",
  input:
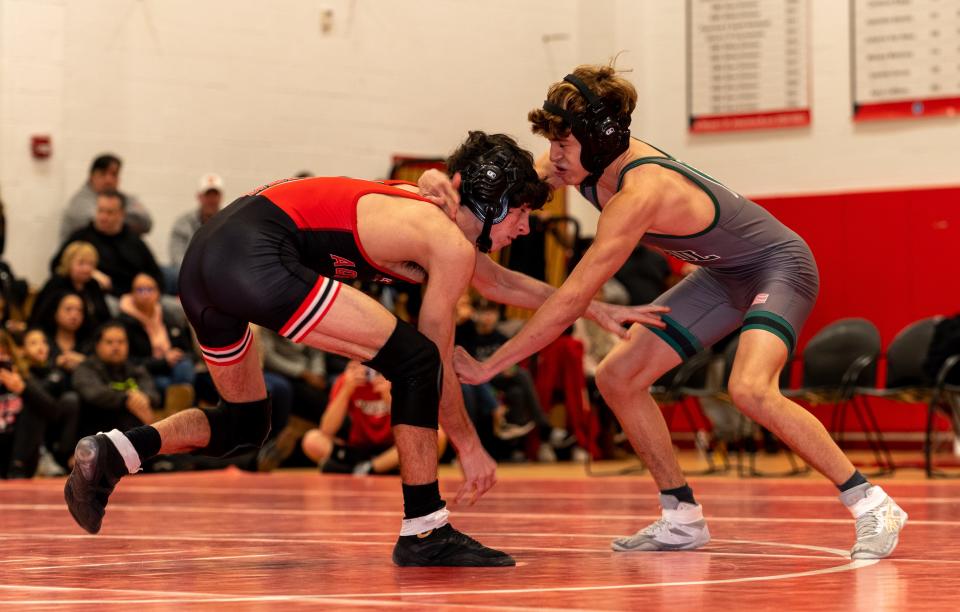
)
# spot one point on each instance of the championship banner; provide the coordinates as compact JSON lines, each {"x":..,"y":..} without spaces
{"x":747,"y":65}
{"x":905,"y":58}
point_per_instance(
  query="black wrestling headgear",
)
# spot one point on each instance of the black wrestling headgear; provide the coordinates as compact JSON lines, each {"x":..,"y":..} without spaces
{"x":603,"y":134}
{"x":486,"y":186}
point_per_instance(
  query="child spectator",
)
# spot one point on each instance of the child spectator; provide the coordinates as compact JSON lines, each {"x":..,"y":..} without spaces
{"x":50,"y":414}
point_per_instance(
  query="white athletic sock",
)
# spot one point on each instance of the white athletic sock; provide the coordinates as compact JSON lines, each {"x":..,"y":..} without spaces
{"x":127,"y":451}
{"x":421,"y":524}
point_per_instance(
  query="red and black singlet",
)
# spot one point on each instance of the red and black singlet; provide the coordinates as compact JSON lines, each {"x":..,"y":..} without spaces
{"x":324,"y":210}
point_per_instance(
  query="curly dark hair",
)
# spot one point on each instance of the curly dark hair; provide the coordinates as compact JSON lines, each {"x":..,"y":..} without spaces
{"x":533,"y":191}
{"x":604,"y":81}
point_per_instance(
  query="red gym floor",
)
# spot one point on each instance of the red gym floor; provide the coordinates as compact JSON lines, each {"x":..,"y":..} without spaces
{"x":295,"y":540}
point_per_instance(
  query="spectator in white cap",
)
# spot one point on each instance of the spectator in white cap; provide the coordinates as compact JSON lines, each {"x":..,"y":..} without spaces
{"x":209,"y":196}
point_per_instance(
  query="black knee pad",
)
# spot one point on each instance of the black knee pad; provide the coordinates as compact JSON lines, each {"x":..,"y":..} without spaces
{"x":237,"y":427}
{"x":411,"y":361}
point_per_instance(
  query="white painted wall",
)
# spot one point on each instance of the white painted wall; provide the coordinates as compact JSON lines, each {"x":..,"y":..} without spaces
{"x":254,"y":91}
{"x":833,"y":154}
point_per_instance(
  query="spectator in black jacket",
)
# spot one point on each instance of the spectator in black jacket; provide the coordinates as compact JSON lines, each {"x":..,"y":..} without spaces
{"x":122,"y":253}
{"x":67,"y":332}
{"x":76,"y":273}
{"x":12,"y":387}
{"x":50,"y":410}
{"x":115,"y":394}
{"x":13,"y":290}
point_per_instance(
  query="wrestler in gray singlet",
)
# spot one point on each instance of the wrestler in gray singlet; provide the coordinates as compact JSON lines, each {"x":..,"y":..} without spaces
{"x":754,"y":271}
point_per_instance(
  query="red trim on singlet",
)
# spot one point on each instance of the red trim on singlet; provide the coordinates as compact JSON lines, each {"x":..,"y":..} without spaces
{"x":226,"y":349}
{"x":304,"y":305}
{"x":227,"y":355}
{"x":325,"y":210}
{"x":224,"y":363}
{"x":323,"y":313}
{"x":312,"y":309}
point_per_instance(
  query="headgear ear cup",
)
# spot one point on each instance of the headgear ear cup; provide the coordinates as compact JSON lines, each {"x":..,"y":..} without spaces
{"x":603,"y":135}
{"x":486,"y":188}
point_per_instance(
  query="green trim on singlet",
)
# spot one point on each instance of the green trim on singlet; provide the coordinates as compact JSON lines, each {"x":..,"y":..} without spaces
{"x":593,"y":199}
{"x":773,"y":323}
{"x":678,"y":337}
{"x":691,"y":173}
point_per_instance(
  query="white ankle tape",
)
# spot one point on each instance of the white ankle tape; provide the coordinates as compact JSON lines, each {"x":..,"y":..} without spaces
{"x":421,"y":524}
{"x":127,"y":451}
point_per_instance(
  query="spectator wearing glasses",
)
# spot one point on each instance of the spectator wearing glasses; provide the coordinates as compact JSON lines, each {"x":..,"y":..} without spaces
{"x":157,"y":340}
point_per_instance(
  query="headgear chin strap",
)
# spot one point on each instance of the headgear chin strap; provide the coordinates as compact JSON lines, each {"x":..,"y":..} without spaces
{"x":486,"y":186}
{"x":603,"y":134}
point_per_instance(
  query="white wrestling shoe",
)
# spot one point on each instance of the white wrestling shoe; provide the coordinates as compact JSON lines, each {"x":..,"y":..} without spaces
{"x":879,"y":521}
{"x":681,"y":527}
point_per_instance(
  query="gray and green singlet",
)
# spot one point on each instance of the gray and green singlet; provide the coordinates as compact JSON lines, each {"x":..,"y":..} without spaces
{"x":754,"y":271}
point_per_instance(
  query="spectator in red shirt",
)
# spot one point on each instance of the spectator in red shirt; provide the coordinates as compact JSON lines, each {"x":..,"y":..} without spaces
{"x":354,"y":434}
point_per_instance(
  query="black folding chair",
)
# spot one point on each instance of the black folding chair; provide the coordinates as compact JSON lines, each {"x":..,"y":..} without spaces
{"x":905,"y":380}
{"x":946,"y":399}
{"x":668,"y":392}
{"x":749,"y":468}
{"x":682,"y":396}
{"x":838,"y":359}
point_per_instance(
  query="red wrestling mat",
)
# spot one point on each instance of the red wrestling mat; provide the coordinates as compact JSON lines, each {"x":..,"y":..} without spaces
{"x":299,"y":541}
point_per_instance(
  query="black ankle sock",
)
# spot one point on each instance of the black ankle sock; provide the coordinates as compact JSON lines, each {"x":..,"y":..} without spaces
{"x":421,"y":500}
{"x":146,"y":441}
{"x":856,"y":480}
{"x":683,"y":494}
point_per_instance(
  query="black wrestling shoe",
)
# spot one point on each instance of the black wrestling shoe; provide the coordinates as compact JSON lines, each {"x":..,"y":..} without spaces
{"x":446,"y":547}
{"x":92,"y":481}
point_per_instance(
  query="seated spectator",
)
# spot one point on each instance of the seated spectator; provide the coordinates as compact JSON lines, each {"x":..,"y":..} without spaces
{"x":304,"y":366}
{"x":10,"y":320}
{"x":644,"y":274}
{"x":304,"y":370}
{"x":13,"y":290}
{"x":50,"y":414}
{"x":361,"y":399}
{"x":157,"y":341}
{"x":12,"y":387}
{"x":104,"y":177}
{"x":75,"y":273}
{"x":122,"y":253}
{"x":115,"y":393}
{"x":523,"y":410}
{"x":208,"y":197}
{"x":597,"y":343}
{"x":480,"y":401}
{"x":67,"y":333}
{"x":559,"y":368}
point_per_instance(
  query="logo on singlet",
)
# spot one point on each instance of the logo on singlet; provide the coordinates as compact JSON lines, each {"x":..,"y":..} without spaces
{"x":342,"y":267}
{"x":693,"y":256}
